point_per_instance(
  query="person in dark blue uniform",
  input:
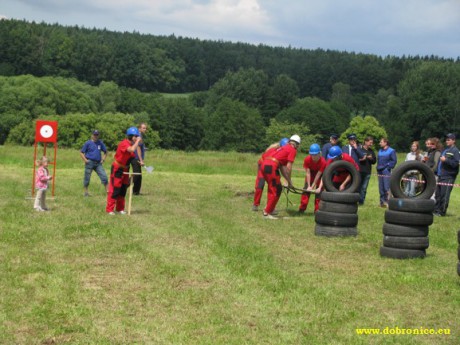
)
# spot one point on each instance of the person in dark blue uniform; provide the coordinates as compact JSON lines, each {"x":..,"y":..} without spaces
{"x":352,"y":148}
{"x":333,"y":141}
{"x":93,"y":158}
{"x":447,"y":173}
{"x":386,"y":161}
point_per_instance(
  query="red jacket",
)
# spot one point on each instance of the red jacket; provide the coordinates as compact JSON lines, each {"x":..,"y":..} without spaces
{"x":284,"y":154}
{"x":122,"y":155}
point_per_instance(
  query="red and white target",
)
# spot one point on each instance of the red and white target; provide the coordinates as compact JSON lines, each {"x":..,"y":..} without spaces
{"x":46,"y":131}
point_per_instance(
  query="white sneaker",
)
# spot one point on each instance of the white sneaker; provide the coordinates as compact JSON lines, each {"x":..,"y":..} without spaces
{"x":111,"y":213}
{"x":270,"y":216}
{"x":122,"y":212}
{"x":39,"y":209}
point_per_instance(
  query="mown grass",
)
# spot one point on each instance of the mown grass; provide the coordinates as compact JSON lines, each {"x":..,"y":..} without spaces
{"x":193,"y":264}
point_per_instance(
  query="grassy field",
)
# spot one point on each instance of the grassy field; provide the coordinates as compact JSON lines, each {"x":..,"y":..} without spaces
{"x":194,"y":265}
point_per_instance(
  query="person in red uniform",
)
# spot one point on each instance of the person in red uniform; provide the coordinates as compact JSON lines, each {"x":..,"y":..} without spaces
{"x":341,"y":177}
{"x":260,"y":181}
{"x":280,"y":161}
{"x":119,"y":182}
{"x":314,"y":165}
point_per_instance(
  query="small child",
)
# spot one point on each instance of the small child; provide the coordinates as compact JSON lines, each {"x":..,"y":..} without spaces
{"x":41,"y":184}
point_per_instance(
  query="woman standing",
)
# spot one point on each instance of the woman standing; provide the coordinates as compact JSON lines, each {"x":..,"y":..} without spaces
{"x":412,"y":175}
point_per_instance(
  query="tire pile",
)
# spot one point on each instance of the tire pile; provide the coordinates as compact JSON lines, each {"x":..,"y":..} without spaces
{"x":338,"y":211}
{"x":407,"y":221}
{"x":405,"y":231}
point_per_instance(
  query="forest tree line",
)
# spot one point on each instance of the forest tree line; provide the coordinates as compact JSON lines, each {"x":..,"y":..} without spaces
{"x":238,"y":91}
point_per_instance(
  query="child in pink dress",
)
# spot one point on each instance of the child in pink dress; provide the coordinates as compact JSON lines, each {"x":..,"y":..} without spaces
{"x":41,"y":184}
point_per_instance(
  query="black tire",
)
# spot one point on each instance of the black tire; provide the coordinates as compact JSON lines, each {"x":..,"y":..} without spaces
{"x":408,"y":218}
{"x":335,"y":231}
{"x":338,"y":207}
{"x":458,"y":268}
{"x":458,"y":236}
{"x":342,"y":197}
{"x":458,"y":253}
{"x":426,"y":174}
{"x":328,"y":174}
{"x":404,"y":231}
{"x":397,"y":253}
{"x":336,"y":219}
{"x":406,"y":242}
{"x":411,"y":205}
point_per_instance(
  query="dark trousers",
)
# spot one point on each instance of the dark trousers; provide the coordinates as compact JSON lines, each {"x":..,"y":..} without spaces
{"x":443,"y":194}
{"x":365,"y":177}
{"x":137,"y":179}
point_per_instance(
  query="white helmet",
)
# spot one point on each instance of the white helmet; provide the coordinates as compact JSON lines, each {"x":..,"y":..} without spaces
{"x":295,"y":138}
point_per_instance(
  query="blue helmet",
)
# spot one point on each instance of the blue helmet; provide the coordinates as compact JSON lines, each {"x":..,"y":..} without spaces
{"x":334,"y":152}
{"x":314,"y":149}
{"x":284,"y":141}
{"x":132,"y":131}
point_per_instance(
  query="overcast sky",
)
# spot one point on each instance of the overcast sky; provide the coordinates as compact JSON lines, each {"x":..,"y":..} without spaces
{"x":382,"y":27}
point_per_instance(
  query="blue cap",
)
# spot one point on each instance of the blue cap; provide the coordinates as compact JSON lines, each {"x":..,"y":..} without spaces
{"x":351,"y":136}
{"x":95,"y":132}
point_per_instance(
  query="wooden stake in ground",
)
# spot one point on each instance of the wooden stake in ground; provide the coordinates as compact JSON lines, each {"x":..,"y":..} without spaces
{"x":130,"y":193}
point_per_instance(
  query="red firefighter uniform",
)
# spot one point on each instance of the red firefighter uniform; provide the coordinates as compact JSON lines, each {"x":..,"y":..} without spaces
{"x":270,"y":170}
{"x":260,"y":181}
{"x":119,"y":182}
{"x":342,"y":174}
{"x":314,"y":167}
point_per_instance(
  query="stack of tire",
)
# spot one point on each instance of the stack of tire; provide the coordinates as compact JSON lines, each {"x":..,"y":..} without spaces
{"x":338,"y":210}
{"x":407,"y":220}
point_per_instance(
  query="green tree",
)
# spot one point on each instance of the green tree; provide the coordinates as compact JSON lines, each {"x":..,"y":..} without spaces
{"x":278,"y":130}
{"x":318,"y":114}
{"x":107,"y":97}
{"x":285,"y":91}
{"x":363,"y":127}
{"x":341,"y":93}
{"x":232,"y":125}
{"x":430,"y":100}
{"x":180,"y":125}
{"x":249,"y":86}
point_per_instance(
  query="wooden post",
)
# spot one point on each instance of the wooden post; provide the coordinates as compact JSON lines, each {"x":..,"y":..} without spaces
{"x":130,"y":194}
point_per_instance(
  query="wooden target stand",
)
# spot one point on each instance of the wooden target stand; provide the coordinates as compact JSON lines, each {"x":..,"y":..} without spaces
{"x":45,"y":133}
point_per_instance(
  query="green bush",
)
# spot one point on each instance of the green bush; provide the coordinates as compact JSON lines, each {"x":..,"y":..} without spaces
{"x":278,"y":130}
{"x":75,"y":129}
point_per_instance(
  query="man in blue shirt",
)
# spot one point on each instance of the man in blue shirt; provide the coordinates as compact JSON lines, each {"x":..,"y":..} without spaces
{"x":447,"y":173}
{"x":386,"y":161}
{"x":91,"y":155}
